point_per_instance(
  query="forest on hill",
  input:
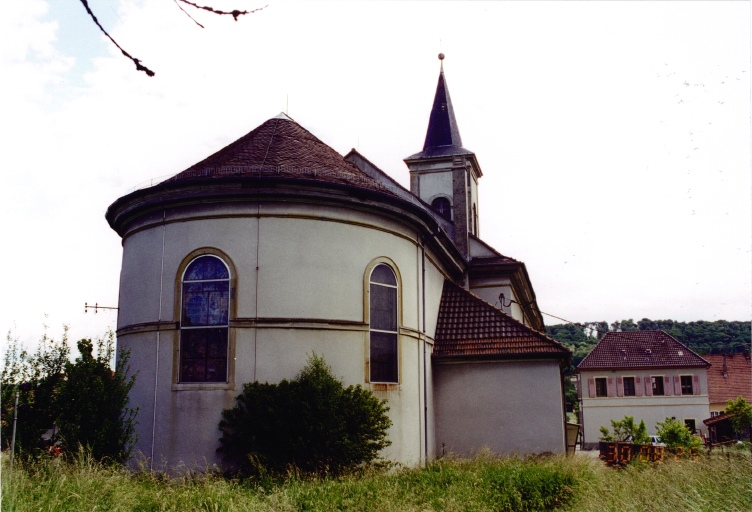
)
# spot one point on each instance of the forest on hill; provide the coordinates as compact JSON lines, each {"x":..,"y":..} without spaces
{"x":719,"y":337}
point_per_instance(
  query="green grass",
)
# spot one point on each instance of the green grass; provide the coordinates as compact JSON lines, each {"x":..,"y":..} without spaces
{"x":580,"y":483}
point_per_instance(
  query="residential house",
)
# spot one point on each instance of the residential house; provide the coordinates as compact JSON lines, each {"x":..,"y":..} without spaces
{"x":729,"y":377}
{"x":645,"y":374}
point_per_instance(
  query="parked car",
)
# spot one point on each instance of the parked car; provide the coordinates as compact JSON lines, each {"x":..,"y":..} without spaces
{"x":656,"y":441}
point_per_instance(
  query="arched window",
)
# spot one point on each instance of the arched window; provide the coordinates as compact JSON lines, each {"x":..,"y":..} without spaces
{"x":204,"y":326}
{"x":384,"y":335}
{"x":442,"y":206}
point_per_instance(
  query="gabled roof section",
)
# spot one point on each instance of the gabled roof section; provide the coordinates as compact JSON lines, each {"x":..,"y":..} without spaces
{"x":280,"y":147}
{"x":470,"y":328}
{"x":640,"y":349}
{"x":729,"y":377}
{"x":443,"y":135}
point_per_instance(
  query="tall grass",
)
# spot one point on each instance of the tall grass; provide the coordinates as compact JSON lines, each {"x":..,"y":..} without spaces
{"x":485,"y":483}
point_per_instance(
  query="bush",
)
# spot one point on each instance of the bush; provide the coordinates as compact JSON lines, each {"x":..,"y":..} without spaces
{"x":625,"y":430}
{"x":312,"y":423}
{"x":741,"y":419}
{"x":674,"y":434}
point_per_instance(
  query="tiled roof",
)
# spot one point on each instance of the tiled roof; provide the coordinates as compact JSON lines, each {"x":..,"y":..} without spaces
{"x":717,"y":419}
{"x":738,"y":380}
{"x":280,"y":147}
{"x":470,"y":327}
{"x":640,"y":349}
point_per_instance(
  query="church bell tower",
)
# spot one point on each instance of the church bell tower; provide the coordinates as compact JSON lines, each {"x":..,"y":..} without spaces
{"x":445,"y":175}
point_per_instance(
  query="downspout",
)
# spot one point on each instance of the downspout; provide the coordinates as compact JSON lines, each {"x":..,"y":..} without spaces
{"x":425,"y":378}
{"x":159,"y":325}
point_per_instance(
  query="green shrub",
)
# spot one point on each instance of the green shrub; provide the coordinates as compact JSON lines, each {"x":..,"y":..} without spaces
{"x":674,"y":434}
{"x":626,"y":430}
{"x":741,"y":419}
{"x":313,"y":424}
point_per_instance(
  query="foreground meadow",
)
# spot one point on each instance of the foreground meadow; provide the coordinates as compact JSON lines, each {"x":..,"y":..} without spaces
{"x":721,"y":482}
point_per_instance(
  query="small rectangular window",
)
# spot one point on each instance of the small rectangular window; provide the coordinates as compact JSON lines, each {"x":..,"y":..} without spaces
{"x":601,"y":387}
{"x":690,"y":424}
{"x":657,"y":384}
{"x":686,"y":385}
{"x":629,"y":386}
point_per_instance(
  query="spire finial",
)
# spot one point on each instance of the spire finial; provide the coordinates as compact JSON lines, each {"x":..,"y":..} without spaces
{"x":441,"y":58}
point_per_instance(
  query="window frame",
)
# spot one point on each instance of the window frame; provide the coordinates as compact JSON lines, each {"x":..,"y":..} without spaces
{"x":654,"y":380}
{"x":624,"y":386}
{"x":604,"y":381}
{"x":392,"y":267}
{"x":229,"y":382}
{"x":435,"y":208}
{"x":691,"y":385}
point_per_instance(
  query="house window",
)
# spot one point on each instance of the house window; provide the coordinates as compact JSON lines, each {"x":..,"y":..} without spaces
{"x":204,"y":327}
{"x":657,"y":384}
{"x":601,"y":387}
{"x":629,"y":386}
{"x":686,"y":385}
{"x":384,"y":335}
{"x":690,"y":424}
{"x":442,"y":206}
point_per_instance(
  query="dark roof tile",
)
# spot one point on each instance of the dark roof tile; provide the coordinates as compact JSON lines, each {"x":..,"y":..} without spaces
{"x":281,"y":148}
{"x":468,"y":326}
{"x":640,"y":349}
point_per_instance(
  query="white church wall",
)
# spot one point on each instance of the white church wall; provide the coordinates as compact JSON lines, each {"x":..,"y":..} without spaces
{"x":312,"y":264}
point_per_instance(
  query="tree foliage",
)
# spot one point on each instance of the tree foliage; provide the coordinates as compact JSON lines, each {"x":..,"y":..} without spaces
{"x":81,"y":403}
{"x":741,"y":419}
{"x":312,"y":423}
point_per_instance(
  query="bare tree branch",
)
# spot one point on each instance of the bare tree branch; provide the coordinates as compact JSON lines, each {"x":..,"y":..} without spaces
{"x":136,"y":61}
{"x":186,"y":13}
{"x":234,"y":13}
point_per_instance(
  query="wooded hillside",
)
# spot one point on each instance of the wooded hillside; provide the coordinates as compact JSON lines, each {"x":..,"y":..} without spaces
{"x":703,"y":337}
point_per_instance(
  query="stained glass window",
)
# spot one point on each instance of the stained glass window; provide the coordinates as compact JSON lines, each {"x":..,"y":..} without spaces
{"x":384,"y":352}
{"x":205,"y":321}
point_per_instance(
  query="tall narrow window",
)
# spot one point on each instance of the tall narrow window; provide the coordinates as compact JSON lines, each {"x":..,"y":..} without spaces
{"x":601,"y":387}
{"x":657,"y":383}
{"x":629,"y":386}
{"x":383,"y":309}
{"x":205,"y":321}
{"x":442,"y":206}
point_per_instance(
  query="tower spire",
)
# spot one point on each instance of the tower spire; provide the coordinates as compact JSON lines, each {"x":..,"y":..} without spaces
{"x":442,"y":125}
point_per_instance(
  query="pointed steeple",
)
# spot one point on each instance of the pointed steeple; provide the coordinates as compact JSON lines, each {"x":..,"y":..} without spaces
{"x":443,"y":134}
{"x":442,"y":125}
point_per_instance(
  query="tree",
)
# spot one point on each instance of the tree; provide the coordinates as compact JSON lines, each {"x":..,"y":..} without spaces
{"x":140,"y":67}
{"x":43,"y":371}
{"x":80,"y":403}
{"x":741,"y":416}
{"x":92,"y":404}
{"x":312,"y":423}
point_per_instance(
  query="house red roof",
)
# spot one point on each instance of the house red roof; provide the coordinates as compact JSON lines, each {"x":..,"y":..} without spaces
{"x":729,"y":377}
{"x":470,"y":327}
{"x":640,"y":349}
{"x":280,"y":147}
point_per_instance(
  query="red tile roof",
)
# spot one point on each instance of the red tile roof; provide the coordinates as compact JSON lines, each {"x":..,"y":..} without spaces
{"x":470,"y":327}
{"x":280,"y":147}
{"x":738,"y":380}
{"x":640,"y":349}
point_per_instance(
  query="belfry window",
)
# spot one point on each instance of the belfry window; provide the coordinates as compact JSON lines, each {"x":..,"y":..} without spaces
{"x":442,"y":206}
{"x":204,"y":327}
{"x":384,"y":334}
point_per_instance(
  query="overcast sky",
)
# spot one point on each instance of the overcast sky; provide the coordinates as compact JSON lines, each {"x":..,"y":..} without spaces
{"x":614,"y":137}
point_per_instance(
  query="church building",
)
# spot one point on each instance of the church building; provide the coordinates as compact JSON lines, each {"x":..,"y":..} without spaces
{"x":277,"y":247}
